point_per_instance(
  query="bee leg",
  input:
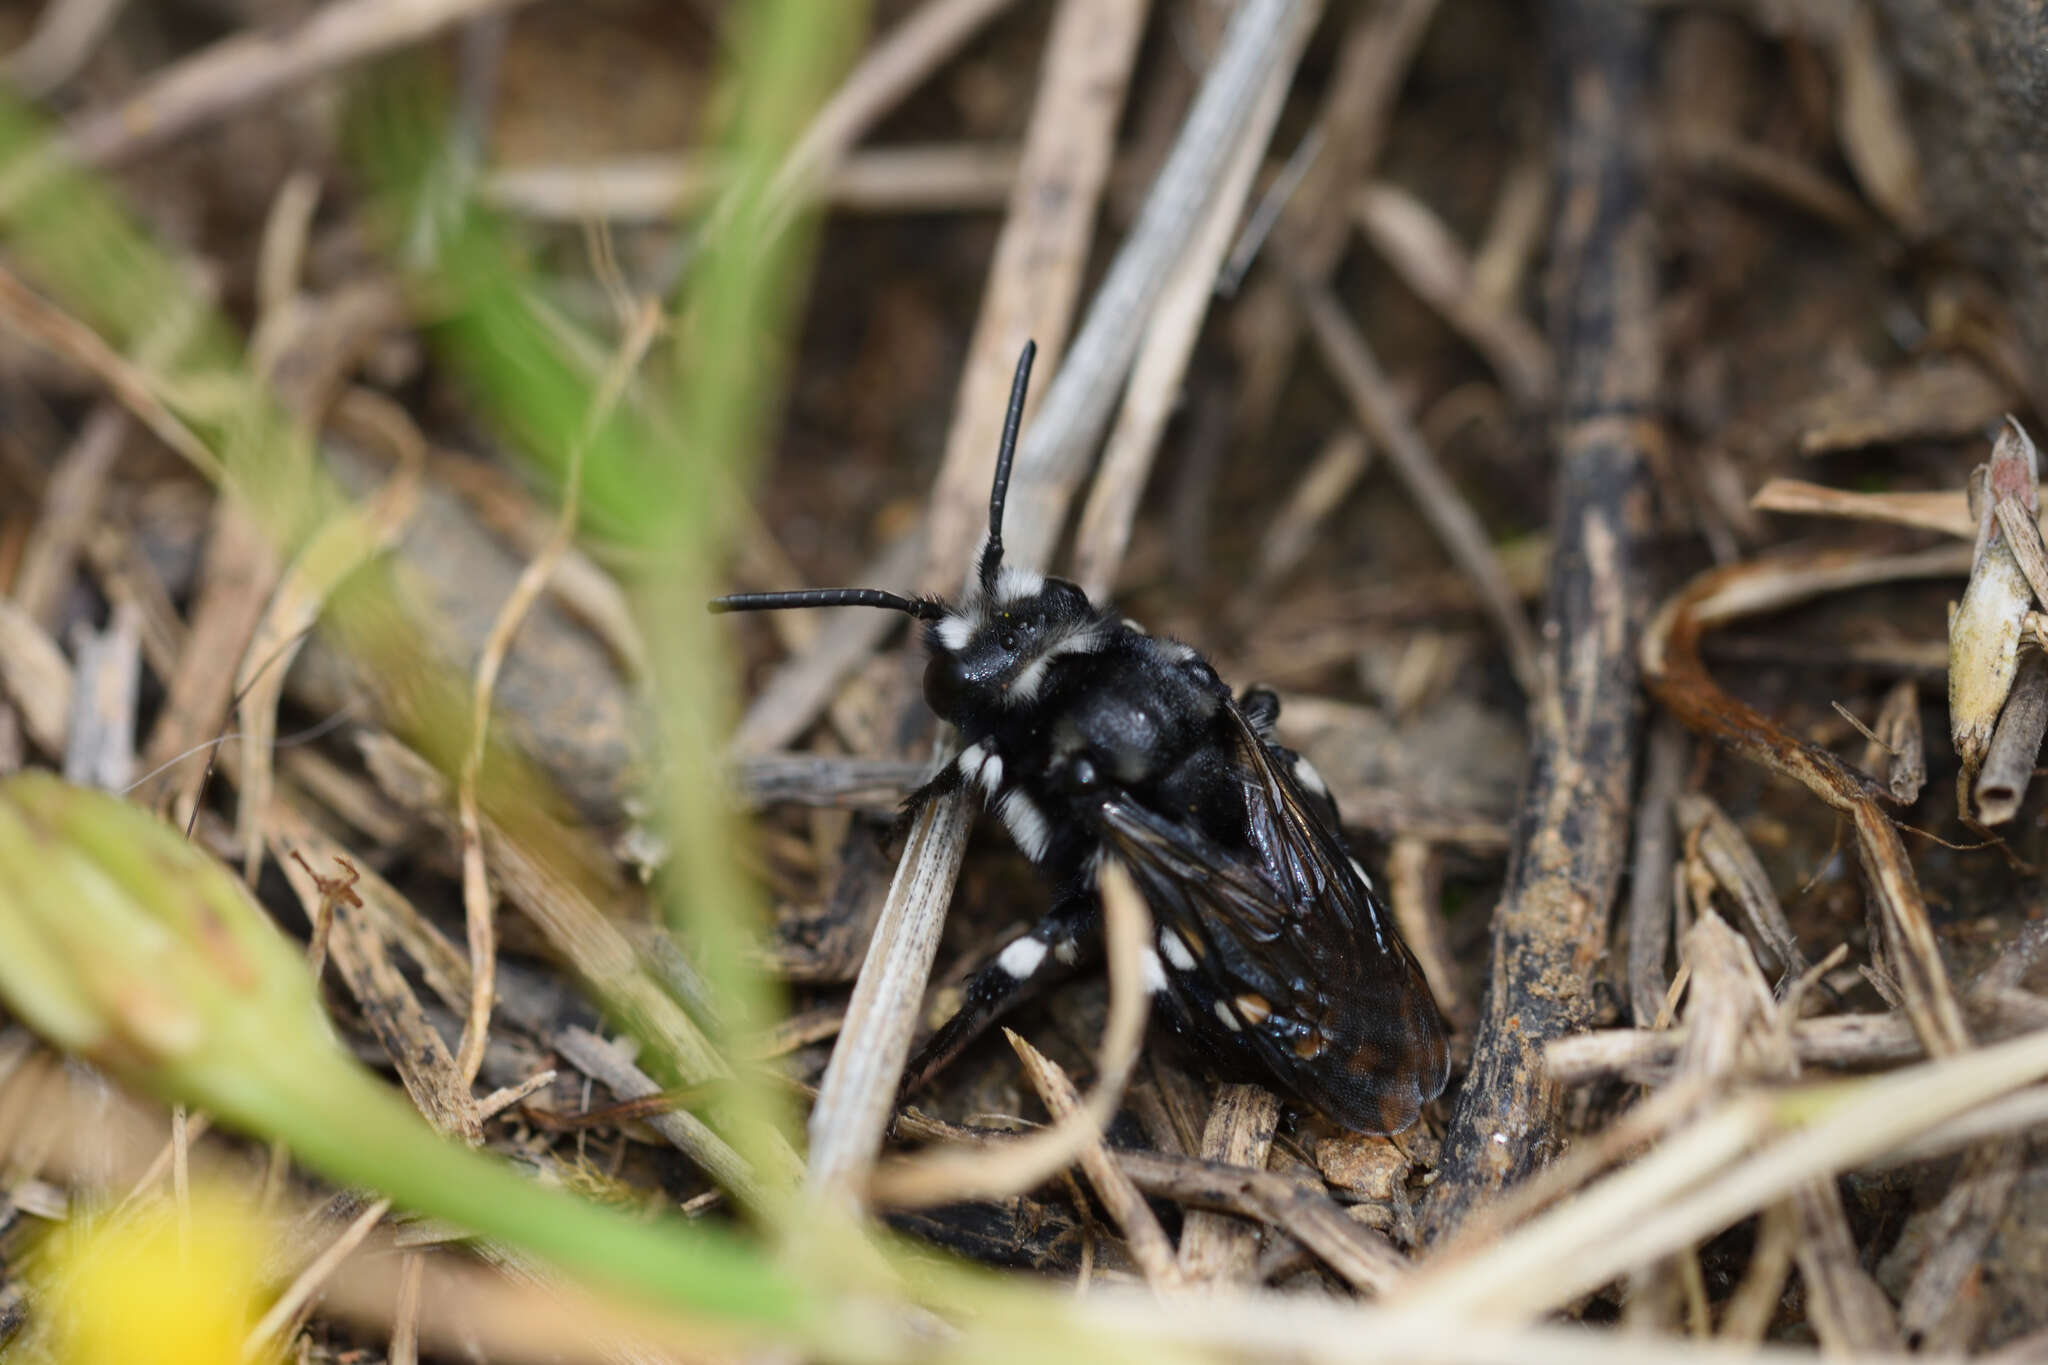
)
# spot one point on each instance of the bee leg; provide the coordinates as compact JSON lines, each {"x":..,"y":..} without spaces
{"x":944,"y":782}
{"x":1051,"y":952}
{"x":1261,"y":706}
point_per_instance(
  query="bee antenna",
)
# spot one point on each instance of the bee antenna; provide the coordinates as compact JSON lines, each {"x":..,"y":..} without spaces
{"x":923,"y":608}
{"x":992,"y":553}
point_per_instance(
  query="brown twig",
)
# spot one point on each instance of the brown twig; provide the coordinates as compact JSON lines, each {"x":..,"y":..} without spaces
{"x":1380,"y":411}
{"x":1678,"y":679}
{"x":1215,"y":1249}
{"x":1362,"y":1257}
{"x":1572,"y":834}
{"x":1417,"y":244}
{"x":942,"y":177}
{"x":254,"y":65}
{"x":1142,"y":1233}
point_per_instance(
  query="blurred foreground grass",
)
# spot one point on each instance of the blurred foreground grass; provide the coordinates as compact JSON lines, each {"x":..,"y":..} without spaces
{"x":126,"y":944}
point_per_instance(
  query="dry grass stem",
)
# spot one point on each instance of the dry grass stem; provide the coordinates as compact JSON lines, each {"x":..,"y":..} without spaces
{"x":1011,"y":1168}
{"x":1948,"y":513}
{"x":1717,"y":152}
{"x":1373,"y":58}
{"x":604,"y":1063}
{"x":1169,"y":341}
{"x":1717,"y":846}
{"x":1417,"y":245}
{"x":1380,"y":411}
{"x":66,"y":35}
{"x":1899,"y":740}
{"x":890,"y":70}
{"x":479,"y":912}
{"x":803,"y":685}
{"x":330,"y":556}
{"x":1053,"y":453}
{"x":70,"y":505}
{"x":858,"y":1091}
{"x":590,"y":940}
{"x":1142,"y":1233}
{"x":36,"y":678}
{"x":2015,"y":744}
{"x":237,"y":574}
{"x":255,"y":65}
{"x":935,"y":178}
{"x":1215,"y":1248}
{"x":299,"y":1295}
{"x":1678,"y":679}
{"x":1654,"y":854}
{"x":100,"y":749}
{"x":1339,"y":466}
{"x":133,"y":387}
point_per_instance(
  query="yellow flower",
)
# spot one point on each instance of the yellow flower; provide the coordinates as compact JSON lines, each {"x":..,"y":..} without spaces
{"x":127,"y":1288}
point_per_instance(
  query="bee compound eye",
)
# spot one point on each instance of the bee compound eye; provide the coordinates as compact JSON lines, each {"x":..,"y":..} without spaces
{"x":1008,"y":640}
{"x":945,"y":686}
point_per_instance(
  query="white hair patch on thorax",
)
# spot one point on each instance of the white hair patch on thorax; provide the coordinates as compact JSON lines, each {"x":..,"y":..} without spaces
{"x":1022,"y":957}
{"x":1026,"y":823}
{"x":1024,"y":687}
{"x":954,"y":631}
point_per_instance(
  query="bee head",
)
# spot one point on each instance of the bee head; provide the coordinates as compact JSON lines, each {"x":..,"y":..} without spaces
{"x":994,"y":650}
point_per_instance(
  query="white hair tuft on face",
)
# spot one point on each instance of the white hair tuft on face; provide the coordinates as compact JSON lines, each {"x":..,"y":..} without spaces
{"x":954,"y":631}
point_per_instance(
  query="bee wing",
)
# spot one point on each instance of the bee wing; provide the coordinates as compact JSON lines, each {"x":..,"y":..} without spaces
{"x":1283,"y":951}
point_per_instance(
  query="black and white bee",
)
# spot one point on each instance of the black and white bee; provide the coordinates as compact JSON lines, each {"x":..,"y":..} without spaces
{"x":1092,"y":740}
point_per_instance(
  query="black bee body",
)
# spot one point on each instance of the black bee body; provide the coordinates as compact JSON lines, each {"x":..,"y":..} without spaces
{"x":1092,"y":740}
